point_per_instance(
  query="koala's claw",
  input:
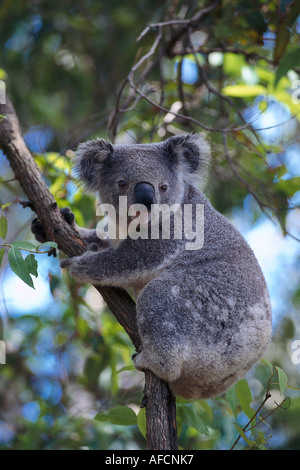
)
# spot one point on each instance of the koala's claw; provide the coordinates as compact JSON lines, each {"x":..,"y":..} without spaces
{"x":144,"y":401}
{"x":68,"y":215}
{"x":93,"y":247}
{"x":38,"y":230}
{"x":66,"y":263}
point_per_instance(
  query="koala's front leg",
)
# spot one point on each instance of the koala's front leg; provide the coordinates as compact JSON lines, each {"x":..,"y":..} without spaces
{"x":101,"y":267}
{"x":128,"y":265}
{"x":83,"y":268}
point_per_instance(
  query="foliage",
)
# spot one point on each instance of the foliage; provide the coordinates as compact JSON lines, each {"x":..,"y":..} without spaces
{"x":233,"y":75}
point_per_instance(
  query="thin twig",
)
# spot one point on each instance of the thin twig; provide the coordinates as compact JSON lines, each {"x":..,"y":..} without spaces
{"x":267,"y":396}
{"x":191,"y":21}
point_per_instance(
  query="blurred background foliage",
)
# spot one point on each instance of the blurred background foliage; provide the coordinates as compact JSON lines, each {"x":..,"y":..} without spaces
{"x":68,"y":381}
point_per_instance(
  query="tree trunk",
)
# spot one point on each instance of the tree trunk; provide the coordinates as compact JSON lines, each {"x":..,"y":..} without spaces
{"x":159,"y":401}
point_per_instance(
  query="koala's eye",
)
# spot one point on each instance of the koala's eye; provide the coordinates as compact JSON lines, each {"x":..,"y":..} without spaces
{"x":122,"y":184}
{"x":163,"y":188}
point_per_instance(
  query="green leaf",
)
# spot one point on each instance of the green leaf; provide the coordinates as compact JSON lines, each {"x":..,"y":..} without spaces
{"x":51,"y":244}
{"x":233,"y":64}
{"x":23,"y":245}
{"x":141,"y":421}
{"x":282,"y":379}
{"x":3,"y":227}
{"x":244,"y":396}
{"x":6,"y":205}
{"x":290,"y":60}
{"x":243,"y":435}
{"x":2,"y":250}
{"x":244,"y":91}
{"x":263,"y":105}
{"x":261,"y":438}
{"x":207,"y":408}
{"x":18,"y":265}
{"x":125,"y":368}
{"x":189,"y":417}
{"x":256,"y":21}
{"x":31,"y":264}
{"x":268,"y":363}
{"x":3,"y":74}
{"x":232,"y":400}
{"x":288,"y":14}
{"x":121,"y":415}
{"x":289,"y":186}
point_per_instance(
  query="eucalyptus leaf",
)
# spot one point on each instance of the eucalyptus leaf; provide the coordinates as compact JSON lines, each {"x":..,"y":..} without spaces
{"x":48,"y":244}
{"x":121,"y":415}
{"x":31,"y":264}
{"x":2,"y":250}
{"x":192,"y":418}
{"x":244,"y":396}
{"x":282,"y":379}
{"x":6,"y":205}
{"x":18,"y":265}
{"x":244,"y":91}
{"x":268,"y":363}
{"x":290,"y":60}
{"x":243,"y":435}
{"x":24,"y":245}
{"x":141,"y":421}
{"x":3,"y":227}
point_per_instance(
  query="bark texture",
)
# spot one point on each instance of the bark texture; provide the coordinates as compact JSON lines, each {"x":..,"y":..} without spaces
{"x":159,"y":401}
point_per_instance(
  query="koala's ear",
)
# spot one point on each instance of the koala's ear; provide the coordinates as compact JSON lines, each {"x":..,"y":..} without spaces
{"x":192,"y":153}
{"x":89,"y":159}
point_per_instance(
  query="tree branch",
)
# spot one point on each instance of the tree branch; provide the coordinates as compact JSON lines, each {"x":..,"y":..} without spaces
{"x":160,"y":403}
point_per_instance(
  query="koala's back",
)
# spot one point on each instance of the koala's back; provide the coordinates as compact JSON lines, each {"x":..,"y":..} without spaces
{"x":208,"y":312}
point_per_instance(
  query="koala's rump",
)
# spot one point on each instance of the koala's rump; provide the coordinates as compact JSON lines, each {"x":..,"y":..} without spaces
{"x":200,"y":327}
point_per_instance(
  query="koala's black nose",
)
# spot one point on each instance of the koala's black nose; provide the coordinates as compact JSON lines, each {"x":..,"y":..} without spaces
{"x":144,"y":194}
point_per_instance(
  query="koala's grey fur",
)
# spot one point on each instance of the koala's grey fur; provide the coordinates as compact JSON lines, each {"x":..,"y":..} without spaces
{"x":204,"y":316}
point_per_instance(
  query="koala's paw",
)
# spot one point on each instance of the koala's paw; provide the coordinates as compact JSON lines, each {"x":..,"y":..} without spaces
{"x":38,"y":230}
{"x":140,"y":361}
{"x":66,"y":263}
{"x":74,"y":265}
{"x":79,"y":267}
{"x":161,"y":366}
{"x":94,"y":246}
{"x":68,"y":215}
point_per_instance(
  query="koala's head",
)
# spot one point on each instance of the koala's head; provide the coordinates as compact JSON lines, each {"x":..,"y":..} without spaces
{"x":145,"y":173}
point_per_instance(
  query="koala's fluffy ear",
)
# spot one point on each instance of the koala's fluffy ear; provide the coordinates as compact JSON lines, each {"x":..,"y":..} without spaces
{"x":89,"y":159}
{"x":192,"y":153}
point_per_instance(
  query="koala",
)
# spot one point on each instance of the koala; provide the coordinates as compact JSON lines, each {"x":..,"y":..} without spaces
{"x":203,"y":315}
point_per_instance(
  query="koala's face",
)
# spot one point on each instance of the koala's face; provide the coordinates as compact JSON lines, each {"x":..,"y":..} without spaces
{"x":144,"y":173}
